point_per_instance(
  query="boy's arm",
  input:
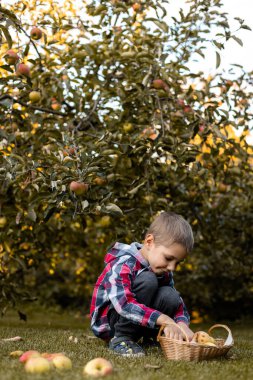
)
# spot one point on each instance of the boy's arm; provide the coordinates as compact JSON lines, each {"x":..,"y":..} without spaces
{"x":124,"y":301}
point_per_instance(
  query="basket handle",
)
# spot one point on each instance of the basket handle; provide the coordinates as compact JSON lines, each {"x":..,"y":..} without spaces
{"x":172,"y":324}
{"x":229,"y":341}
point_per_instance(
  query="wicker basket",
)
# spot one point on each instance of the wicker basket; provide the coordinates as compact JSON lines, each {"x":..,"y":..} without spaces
{"x":185,"y":350}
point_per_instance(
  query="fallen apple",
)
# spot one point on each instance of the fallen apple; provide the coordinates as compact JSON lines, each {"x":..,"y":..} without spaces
{"x":28,"y":355}
{"x":37,"y":365}
{"x":98,"y":367}
{"x":16,"y":354}
{"x":62,"y":362}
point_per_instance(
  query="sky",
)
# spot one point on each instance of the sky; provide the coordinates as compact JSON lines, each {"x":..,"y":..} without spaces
{"x":233,"y":52}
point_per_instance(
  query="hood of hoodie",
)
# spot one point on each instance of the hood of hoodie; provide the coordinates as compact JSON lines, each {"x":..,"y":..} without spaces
{"x":121,"y":249}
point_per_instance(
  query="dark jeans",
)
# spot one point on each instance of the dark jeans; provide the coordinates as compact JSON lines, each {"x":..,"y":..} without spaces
{"x":148,"y":291}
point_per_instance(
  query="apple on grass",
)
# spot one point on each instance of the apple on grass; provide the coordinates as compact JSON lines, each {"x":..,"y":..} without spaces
{"x":37,"y":365}
{"x":28,"y":355}
{"x":61,"y":362}
{"x":98,"y":367}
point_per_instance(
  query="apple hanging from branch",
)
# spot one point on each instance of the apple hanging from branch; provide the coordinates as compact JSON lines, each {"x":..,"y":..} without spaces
{"x":79,"y":188}
{"x":11,"y":57}
{"x":36,"y":33}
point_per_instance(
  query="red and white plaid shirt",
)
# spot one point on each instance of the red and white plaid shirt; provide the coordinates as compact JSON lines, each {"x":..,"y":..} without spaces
{"x":113,"y":287}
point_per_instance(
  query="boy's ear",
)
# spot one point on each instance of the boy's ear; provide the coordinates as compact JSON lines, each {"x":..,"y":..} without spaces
{"x":149,"y":240}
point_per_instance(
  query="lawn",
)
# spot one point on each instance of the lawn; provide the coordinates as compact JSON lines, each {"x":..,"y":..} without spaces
{"x":49,"y":331}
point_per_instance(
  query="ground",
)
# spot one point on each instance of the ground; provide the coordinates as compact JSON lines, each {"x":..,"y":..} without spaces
{"x":50,"y":330}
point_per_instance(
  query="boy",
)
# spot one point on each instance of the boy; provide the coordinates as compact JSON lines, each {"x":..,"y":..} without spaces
{"x":135,"y":293}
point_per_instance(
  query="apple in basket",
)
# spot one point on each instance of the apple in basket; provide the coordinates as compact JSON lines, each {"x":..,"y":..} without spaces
{"x":201,"y":337}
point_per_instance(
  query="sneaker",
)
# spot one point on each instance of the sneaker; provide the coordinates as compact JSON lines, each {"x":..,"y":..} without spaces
{"x":124,"y":346}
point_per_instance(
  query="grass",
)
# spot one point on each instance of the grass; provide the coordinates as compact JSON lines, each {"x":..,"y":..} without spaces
{"x":49,"y":331}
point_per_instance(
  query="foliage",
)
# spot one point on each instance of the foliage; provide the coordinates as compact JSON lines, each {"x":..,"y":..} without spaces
{"x":140,"y":145}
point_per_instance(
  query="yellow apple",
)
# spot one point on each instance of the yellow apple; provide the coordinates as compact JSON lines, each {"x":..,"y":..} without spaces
{"x":3,"y":221}
{"x":34,"y":96}
{"x":62,"y":362}
{"x":98,"y":367}
{"x":37,"y":365}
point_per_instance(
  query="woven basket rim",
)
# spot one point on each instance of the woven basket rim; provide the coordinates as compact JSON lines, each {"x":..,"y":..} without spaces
{"x":192,"y":344}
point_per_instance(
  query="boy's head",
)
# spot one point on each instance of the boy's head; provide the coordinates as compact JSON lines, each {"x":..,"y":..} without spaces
{"x":167,"y":242}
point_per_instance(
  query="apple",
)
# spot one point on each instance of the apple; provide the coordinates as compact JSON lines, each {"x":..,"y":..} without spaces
{"x":55,"y":105}
{"x":222,"y":187}
{"x":48,"y":356}
{"x":127,"y":127}
{"x":100,"y":181}
{"x":187,"y":109}
{"x":3,"y":221}
{"x":210,"y":344}
{"x":79,"y":188}
{"x":159,"y":84}
{"x":28,"y":355}
{"x":23,"y":69}
{"x":136,"y":7}
{"x":11,"y":57}
{"x":37,"y":365}
{"x":181,"y":102}
{"x":16,"y":354}
{"x":34,"y":96}
{"x":36,"y":33}
{"x":105,"y":221}
{"x":98,"y":367}
{"x":202,"y":337}
{"x":61,"y":362}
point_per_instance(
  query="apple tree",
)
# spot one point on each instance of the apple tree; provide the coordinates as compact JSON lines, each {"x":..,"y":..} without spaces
{"x":103,"y":125}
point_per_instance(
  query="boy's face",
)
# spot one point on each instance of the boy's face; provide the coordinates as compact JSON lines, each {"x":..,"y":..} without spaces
{"x":162,"y":259}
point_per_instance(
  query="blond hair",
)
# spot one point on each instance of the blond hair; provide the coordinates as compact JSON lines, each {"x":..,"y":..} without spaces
{"x":169,"y":227}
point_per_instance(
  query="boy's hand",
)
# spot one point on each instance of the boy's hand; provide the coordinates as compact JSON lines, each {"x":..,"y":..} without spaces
{"x":173,"y":332}
{"x":187,"y":330}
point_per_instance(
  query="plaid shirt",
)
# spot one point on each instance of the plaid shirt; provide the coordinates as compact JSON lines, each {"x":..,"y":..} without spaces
{"x":113,"y":289}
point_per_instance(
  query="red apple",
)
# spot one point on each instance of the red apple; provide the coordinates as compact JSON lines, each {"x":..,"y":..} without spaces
{"x":11,"y":57}
{"x":23,"y":69}
{"x":181,"y":102}
{"x":36,"y":33}
{"x":159,"y":84}
{"x":98,"y":367}
{"x":187,"y":109}
{"x":37,"y":365}
{"x":28,"y":355}
{"x":79,"y":188}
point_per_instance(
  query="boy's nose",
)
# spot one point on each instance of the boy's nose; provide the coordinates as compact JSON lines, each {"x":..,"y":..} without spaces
{"x":171,"y":267}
